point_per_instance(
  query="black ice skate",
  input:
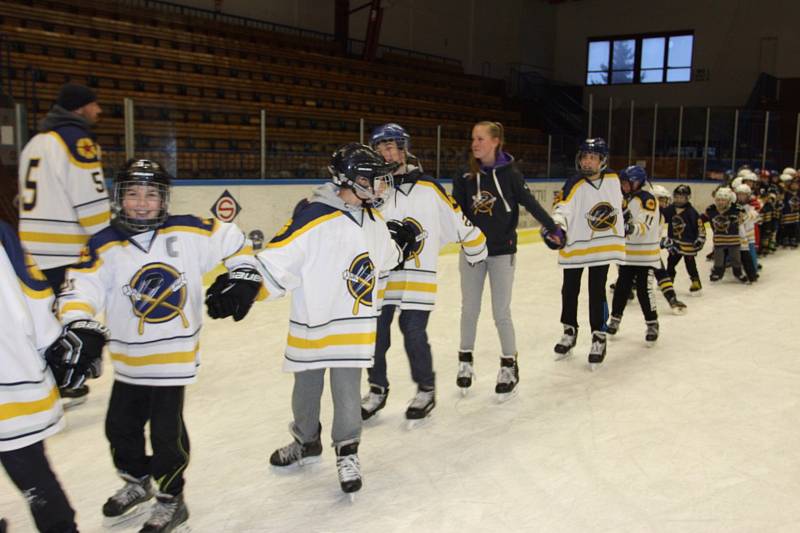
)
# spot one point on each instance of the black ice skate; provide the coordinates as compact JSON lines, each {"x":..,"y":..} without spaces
{"x":597,"y":353}
{"x":420,"y":407}
{"x":696,"y":288}
{"x":741,"y":276}
{"x":716,"y":274}
{"x":126,"y":503}
{"x":297,"y":453}
{"x":73,"y":397}
{"x":374,"y":401}
{"x":613,"y":324}
{"x":677,"y":306}
{"x":507,"y":379}
{"x":465,"y":372}
{"x":651,"y":336}
{"x":349,"y":468}
{"x":563,"y":348}
{"x":169,"y":513}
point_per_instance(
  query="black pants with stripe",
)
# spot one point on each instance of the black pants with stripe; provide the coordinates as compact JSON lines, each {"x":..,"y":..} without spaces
{"x":129,"y":409}
{"x":598,"y":305}
{"x":628,"y":276}
{"x":30,"y":471}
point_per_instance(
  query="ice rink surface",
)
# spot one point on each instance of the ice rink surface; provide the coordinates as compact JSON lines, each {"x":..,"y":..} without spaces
{"x":700,"y":433}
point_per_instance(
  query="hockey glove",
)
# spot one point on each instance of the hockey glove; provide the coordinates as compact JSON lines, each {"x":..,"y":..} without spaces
{"x":233,"y":293}
{"x":629,"y":229}
{"x":556,"y":239}
{"x":699,"y":243}
{"x":78,"y":353}
{"x":404,"y":236}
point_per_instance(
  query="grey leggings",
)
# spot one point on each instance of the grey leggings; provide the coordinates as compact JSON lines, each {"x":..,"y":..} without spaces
{"x":501,"y":279}
{"x":346,"y":392}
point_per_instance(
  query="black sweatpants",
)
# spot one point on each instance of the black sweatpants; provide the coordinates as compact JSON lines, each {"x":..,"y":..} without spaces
{"x":598,"y":305}
{"x":688,"y":261}
{"x":129,"y":409}
{"x":628,"y":275}
{"x":30,"y":471}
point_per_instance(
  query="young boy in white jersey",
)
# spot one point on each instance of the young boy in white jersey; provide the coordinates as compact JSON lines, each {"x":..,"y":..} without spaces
{"x":642,"y":252}
{"x":330,"y":257}
{"x":590,"y":212}
{"x":146,"y":272}
{"x":420,"y":203}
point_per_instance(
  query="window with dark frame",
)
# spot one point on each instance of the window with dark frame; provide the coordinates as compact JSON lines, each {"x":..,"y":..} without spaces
{"x":647,"y":58}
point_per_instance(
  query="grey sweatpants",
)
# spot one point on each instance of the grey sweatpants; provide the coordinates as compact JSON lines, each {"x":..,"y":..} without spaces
{"x":501,"y":279}
{"x":346,"y":392}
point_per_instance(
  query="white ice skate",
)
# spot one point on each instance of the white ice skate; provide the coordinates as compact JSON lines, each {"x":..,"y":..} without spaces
{"x":466,"y":374}
{"x":563,"y":348}
{"x":507,"y":379}
{"x":419,"y":409}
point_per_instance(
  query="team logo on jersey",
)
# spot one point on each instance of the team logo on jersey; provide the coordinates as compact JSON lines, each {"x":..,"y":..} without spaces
{"x":360,"y":280}
{"x":602,"y":217}
{"x":420,"y":235}
{"x":650,"y":204}
{"x":86,"y":147}
{"x":678,"y":226}
{"x":721,"y":223}
{"x":158,"y":293}
{"x":483,"y":203}
{"x":794,"y":202}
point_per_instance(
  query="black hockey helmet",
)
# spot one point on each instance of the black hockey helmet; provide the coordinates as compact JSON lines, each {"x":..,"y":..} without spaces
{"x":140,"y":172}
{"x":257,"y":238}
{"x":360,"y":168}
{"x":682,"y":190}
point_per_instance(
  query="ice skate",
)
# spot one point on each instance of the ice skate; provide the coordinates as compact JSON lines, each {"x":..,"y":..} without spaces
{"x":349,"y":469}
{"x":651,"y":336}
{"x":507,"y":379}
{"x":742,"y":277}
{"x":73,"y":397}
{"x":465,"y":372}
{"x":297,"y":453}
{"x":420,"y":408}
{"x":696,"y":289}
{"x":613,"y":324}
{"x":716,"y":275}
{"x":128,"y":502}
{"x":374,"y":401}
{"x":563,"y":348}
{"x":597,"y":353}
{"x":169,"y":513}
{"x":677,"y":306}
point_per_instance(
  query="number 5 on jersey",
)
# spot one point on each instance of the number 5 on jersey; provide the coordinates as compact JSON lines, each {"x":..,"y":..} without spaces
{"x":30,"y":185}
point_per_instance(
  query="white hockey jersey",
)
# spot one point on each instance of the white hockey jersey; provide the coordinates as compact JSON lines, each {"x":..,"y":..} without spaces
{"x":643,"y":246}
{"x":591,"y":214}
{"x":330,"y":257}
{"x":747,"y":230}
{"x":29,"y":402}
{"x":62,"y":195}
{"x":437,"y":220}
{"x":151,"y":288}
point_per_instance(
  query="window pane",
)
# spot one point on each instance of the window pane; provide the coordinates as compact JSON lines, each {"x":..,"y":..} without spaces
{"x":680,"y":51}
{"x":653,"y":53}
{"x":622,"y":76}
{"x":655,"y":75}
{"x":624,"y":54}
{"x":597,"y":78}
{"x":598,"y":55}
{"x":679,"y":74}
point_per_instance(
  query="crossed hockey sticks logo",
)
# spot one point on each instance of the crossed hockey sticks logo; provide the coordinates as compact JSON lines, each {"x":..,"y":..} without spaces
{"x":153,"y":301}
{"x":360,"y":279}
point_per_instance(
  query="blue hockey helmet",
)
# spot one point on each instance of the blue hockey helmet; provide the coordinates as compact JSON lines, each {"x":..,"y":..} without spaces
{"x":597,"y":146}
{"x":391,"y":132}
{"x":635,"y":175}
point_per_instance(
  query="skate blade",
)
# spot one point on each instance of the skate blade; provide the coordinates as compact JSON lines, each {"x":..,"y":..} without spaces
{"x":464,"y":391}
{"x":594,"y":367}
{"x":133,"y":513}
{"x":678,"y":311}
{"x":695,"y":294}
{"x":351,"y":497}
{"x":562,"y":356}
{"x":504,"y":397}
{"x":649,"y":344}
{"x":416,"y":423}
{"x":71,"y":403}
{"x":305,"y":463}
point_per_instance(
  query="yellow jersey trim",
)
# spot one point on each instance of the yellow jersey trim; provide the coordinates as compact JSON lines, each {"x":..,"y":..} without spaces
{"x":156,"y":359}
{"x":93,"y":220}
{"x":343,"y":339}
{"x":417,"y":286}
{"x":594,"y":250}
{"x":311,"y":225}
{"x":17,"y":409}
{"x":59,"y":238}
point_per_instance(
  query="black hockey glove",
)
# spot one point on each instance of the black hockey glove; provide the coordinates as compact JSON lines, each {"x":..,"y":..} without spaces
{"x":77,"y":355}
{"x":629,"y":229}
{"x":233,"y":293}
{"x":404,"y":236}
{"x":556,"y":239}
{"x":699,"y":243}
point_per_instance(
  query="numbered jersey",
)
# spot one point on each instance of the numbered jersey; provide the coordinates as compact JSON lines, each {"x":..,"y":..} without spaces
{"x":62,"y":195}
{"x":591,"y":214}
{"x":151,"y":289}
{"x":29,"y":406}
{"x":437,"y":220}
{"x":643,"y":244}
{"x":331,"y":261}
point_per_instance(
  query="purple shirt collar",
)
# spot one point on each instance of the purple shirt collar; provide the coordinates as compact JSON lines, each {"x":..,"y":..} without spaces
{"x":502,"y":160}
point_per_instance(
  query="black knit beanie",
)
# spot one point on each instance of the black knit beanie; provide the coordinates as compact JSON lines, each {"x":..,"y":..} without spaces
{"x":73,"y":96}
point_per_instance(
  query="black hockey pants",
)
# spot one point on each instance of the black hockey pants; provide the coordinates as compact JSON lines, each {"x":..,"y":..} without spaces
{"x":598,"y":305}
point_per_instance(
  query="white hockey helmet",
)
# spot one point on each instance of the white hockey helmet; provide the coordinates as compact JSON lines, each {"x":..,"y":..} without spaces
{"x":789,"y":170}
{"x":743,"y":189}
{"x":659,"y":191}
{"x":725,"y":193}
{"x":737,"y":181}
{"x":786,"y":178}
